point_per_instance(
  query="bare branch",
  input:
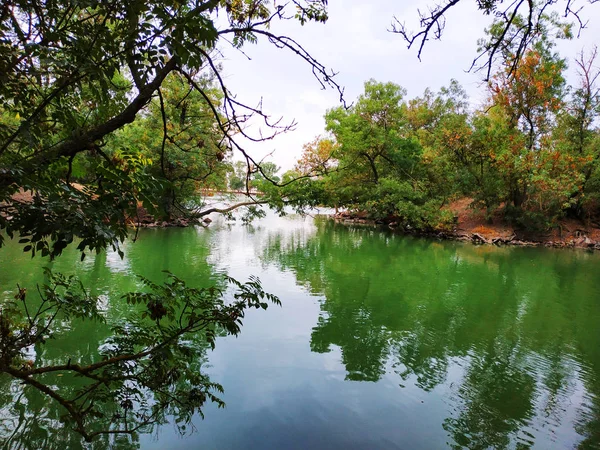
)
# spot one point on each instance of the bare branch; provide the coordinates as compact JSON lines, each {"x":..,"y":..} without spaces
{"x":432,"y":25}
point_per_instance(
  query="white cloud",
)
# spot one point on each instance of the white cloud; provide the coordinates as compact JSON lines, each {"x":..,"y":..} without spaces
{"x":355,"y":42}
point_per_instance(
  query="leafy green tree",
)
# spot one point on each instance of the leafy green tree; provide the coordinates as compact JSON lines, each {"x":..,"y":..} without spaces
{"x":237,"y":177}
{"x":75,"y":74}
{"x":378,"y":165}
{"x":577,"y":135}
{"x":491,"y":138}
{"x":371,"y":145}
{"x":77,"y":81}
{"x":179,"y":134}
{"x":371,"y":131}
{"x":440,"y":124}
{"x":266,"y":175}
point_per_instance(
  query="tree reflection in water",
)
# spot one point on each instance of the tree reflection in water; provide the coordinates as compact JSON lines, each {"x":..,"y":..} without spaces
{"x":504,"y":338}
{"x":29,"y":419}
{"x":518,"y":325}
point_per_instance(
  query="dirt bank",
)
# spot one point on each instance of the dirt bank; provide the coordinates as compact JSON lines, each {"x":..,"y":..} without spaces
{"x":472,"y":226}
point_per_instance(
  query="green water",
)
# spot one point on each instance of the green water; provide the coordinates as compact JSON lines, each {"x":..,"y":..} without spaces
{"x":382,"y":341}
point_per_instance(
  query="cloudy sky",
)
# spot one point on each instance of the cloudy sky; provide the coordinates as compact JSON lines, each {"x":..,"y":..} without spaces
{"x":356,"y":44}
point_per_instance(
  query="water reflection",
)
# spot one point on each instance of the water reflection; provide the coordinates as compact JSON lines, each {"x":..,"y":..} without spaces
{"x":518,"y":325}
{"x":382,"y":341}
{"x":28,"y":418}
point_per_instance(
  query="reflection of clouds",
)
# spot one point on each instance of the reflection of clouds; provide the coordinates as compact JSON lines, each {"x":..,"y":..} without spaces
{"x":115,"y":263}
{"x":87,"y":263}
{"x":29,"y":353}
{"x":332,"y":363}
{"x":242,"y":245}
{"x":470,"y":328}
{"x":103,"y":302}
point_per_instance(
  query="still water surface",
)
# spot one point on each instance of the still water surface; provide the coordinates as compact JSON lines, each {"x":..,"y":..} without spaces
{"x":382,"y":341}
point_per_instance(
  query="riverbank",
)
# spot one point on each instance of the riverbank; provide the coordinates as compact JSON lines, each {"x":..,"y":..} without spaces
{"x":143,"y":219}
{"x":472,"y":226}
{"x":146,"y":220}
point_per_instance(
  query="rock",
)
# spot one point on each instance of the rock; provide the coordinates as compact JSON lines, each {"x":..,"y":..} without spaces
{"x":207,"y":220}
{"x":498,"y":241}
{"x":393,"y":224}
{"x":477,"y":238}
{"x":588,"y":242}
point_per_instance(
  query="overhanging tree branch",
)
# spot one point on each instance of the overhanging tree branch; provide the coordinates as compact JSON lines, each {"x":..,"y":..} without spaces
{"x":433,"y":23}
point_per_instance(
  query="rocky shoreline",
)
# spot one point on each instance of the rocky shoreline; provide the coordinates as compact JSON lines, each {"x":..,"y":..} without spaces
{"x":146,"y":220}
{"x":509,"y":237}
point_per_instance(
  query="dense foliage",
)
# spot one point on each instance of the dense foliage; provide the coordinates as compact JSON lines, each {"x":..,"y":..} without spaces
{"x":108,"y":107}
{"x":529,"y":154}
{"x":127,"y":99}
{"x":149,"y":368}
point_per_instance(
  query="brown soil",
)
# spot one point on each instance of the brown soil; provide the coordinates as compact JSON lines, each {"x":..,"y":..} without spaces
{"x":24,"y":196}
{"x":472,"y":220}
{"x":143,"y":219}
{"x":471,"y":225}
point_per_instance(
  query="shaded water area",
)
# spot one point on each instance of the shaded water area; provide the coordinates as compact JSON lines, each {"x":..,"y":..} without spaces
{"x":382,"y":341}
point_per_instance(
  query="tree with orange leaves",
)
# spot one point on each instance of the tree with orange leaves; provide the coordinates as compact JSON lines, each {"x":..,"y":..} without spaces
{"x":318,"y":157}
